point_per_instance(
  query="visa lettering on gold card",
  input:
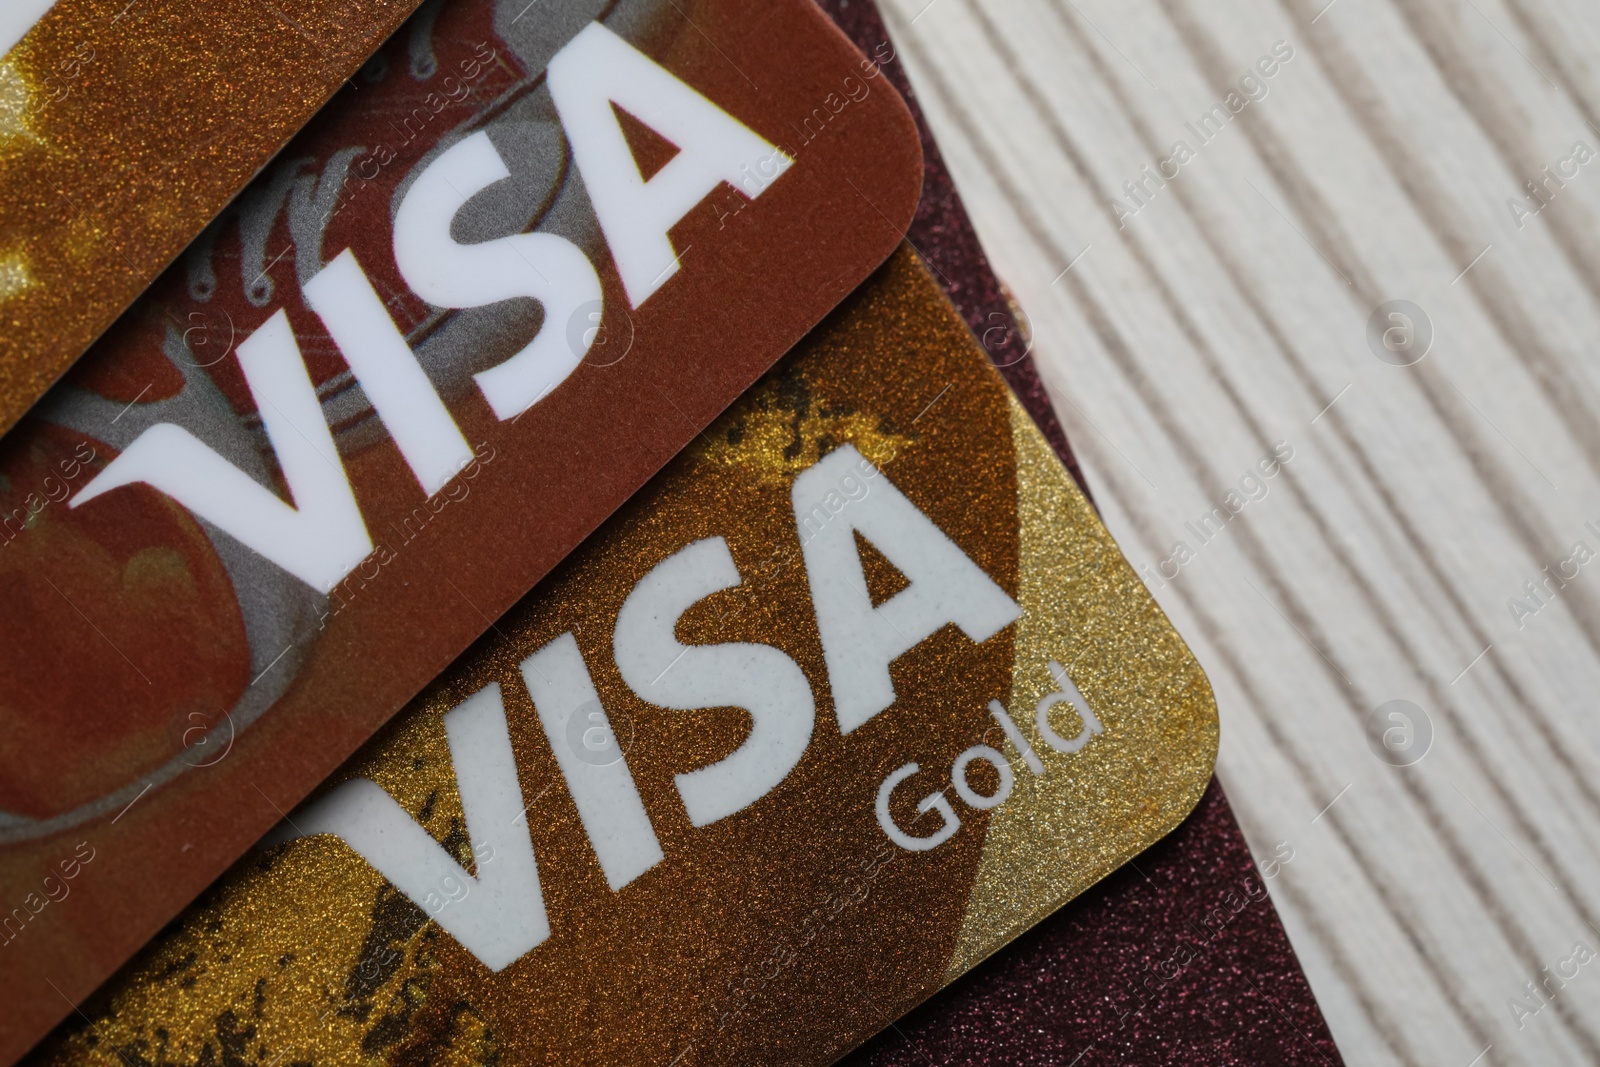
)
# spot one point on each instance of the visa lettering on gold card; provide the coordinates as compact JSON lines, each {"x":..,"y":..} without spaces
{"x":511,"y":271}
{"x":851,"y":694}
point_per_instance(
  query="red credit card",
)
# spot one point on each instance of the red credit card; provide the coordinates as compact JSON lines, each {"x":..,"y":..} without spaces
{"x":512,"y":270}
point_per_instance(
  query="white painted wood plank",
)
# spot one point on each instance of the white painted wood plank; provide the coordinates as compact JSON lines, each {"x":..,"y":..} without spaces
{"x":17,"y":18}
{"x":1224,"y":316}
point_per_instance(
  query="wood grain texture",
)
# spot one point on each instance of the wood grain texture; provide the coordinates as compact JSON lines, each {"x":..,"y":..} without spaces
{"x":1224,"y":311}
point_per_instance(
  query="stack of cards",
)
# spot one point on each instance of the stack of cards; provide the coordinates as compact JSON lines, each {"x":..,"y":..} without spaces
{"x":549,"y":575}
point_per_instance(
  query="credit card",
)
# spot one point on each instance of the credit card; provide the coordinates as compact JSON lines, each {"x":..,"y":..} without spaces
{"x":125,"y":125}
{"x":1139,"y":969}
{"x":507,"y":275}
{"x":854,"y":692}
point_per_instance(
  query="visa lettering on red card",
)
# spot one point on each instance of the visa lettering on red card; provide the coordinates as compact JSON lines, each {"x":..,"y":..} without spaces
{"x":513,"y":269}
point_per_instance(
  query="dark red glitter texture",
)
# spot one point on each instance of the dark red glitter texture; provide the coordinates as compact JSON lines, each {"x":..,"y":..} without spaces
{"x":1154,"y":965}
{"x":1104,"y":980}
{"x":943,"y":235}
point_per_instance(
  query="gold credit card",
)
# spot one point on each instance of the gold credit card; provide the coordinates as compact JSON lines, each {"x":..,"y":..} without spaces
{"x":852,"y":693}
{"x":125,"y":126}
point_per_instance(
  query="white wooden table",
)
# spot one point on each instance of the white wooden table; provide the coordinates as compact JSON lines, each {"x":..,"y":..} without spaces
{"x":1226,"y":310}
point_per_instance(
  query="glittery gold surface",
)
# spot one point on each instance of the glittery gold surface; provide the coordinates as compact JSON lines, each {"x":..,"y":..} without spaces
{"x":303,"y":952}
{"x":1093,"y":810}
{"x":770,"y":438}
{"x":792,"y":930}
{"x":124,"y":128}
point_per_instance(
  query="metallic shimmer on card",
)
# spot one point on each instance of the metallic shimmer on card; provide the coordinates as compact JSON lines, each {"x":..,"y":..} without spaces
{"x":1083,"y":976}
{"x":487,"y":293}
{"x":124,"y":128}
{"x":850,"y":695}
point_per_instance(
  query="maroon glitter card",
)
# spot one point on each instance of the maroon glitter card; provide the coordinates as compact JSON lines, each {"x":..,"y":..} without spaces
{"x":1180,"y":956}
